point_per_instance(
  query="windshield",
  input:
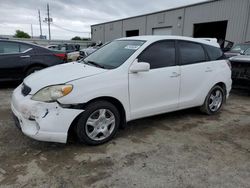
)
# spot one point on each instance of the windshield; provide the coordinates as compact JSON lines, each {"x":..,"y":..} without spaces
{"x":113,"y":54}
{"x":240,"y":47}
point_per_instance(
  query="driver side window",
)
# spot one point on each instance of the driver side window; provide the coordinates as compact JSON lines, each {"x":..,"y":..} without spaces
{"x":159,"y":55}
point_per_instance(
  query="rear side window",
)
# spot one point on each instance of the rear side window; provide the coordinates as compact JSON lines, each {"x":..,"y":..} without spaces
{"x":9,"y":48}
{"x":24,"y":47}
{"x":214,"y":53}
{"x":191,"y":53}
{"x":160,"y":54}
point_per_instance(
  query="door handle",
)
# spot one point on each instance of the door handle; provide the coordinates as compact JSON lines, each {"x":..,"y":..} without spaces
{"x":174,"y":75}
{"x":25,"y":56}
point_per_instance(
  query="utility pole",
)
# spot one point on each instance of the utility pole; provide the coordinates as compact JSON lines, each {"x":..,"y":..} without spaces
{"x":31,"y":31}
{"x":41,"y":33}
{"x":48,"y":20}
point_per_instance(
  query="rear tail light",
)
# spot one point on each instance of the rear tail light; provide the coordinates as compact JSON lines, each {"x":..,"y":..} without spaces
{"x":229,"y":64}
{"x":62,"y":56}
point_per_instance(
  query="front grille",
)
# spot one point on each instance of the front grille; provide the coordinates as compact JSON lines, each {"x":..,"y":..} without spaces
{"x":25,"y":90}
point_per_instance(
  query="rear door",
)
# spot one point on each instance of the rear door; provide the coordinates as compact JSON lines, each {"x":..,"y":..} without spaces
{"x":13,"y":59}
{"x":196,"y":71}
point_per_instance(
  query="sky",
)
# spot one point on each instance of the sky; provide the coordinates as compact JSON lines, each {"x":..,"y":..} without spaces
{"x":74,"y":17}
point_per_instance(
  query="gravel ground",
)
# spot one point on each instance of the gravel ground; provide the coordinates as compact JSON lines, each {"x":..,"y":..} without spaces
{"x":180,"y":149}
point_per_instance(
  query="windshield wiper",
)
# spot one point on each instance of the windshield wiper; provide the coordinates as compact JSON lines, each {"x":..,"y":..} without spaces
{"x":94,"y":63}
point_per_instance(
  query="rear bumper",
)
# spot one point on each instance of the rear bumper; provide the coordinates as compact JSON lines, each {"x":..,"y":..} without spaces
{"x":42,"y":121}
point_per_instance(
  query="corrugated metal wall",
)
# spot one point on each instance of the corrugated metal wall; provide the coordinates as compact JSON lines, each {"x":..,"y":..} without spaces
{"x":234,"y":11}
{"x":182,"y":21}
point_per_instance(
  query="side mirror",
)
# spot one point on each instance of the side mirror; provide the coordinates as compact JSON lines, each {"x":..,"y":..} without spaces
{"x":140,"y":67}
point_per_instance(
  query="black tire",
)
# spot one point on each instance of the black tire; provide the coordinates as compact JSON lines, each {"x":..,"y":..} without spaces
{"x":205,"y":108}
{"x":33,"y":69}
{"x":82,"y":127}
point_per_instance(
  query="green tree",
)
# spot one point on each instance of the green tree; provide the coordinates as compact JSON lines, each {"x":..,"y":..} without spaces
{"x":76,"y":38}
{"x":21,"y":34}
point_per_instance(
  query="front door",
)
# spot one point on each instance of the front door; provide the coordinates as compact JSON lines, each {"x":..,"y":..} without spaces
{"x":156,"y":91}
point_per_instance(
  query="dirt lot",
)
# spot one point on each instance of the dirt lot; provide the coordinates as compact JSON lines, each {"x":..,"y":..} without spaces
{"x":181,"y":149}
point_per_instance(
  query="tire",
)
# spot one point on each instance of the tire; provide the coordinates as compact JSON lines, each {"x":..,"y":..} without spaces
{"x":98,"y":124}
{"x":214,"y":101}
{"x":33,"y":69}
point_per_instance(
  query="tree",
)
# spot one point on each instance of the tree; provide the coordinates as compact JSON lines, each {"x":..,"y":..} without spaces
{"x":76,"y":38}
{"x":21,"y":34}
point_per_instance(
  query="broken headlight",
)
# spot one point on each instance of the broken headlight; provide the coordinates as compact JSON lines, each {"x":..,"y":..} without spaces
{"x":52,"y":93}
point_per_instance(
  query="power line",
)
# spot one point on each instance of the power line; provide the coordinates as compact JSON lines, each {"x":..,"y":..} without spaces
{"x":69,"y":29}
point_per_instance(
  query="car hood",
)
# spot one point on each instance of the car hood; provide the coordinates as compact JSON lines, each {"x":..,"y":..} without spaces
{"x":60,"y":74}
{"x":241,"y":58}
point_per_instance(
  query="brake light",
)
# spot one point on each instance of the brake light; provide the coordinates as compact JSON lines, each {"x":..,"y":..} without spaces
{"x":62,"y":56}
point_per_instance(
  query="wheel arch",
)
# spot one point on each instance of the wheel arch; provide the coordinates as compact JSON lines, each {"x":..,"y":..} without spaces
{"x":223,"y":86}
{"x":112,"y":100}
{"x":35,"y":65}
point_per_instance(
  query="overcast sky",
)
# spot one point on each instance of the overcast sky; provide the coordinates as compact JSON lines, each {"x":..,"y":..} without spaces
{"x":75,"y":15}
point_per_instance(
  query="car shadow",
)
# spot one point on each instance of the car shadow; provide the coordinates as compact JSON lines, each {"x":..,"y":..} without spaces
{"x":9,"y":84}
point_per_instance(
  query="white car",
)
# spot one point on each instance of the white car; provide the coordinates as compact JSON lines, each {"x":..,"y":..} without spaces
{"x":128,"y":79}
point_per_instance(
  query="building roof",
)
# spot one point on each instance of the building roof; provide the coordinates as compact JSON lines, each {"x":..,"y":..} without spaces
{"x":171,"y":9}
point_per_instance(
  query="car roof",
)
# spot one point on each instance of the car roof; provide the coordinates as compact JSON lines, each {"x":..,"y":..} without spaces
{"x":23,"y":42}
{"x":155,"y":38}
{"x":18,"y":41}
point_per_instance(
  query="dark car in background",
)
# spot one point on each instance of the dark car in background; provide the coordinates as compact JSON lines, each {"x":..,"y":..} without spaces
{"x":241,"y":70}
{"x":237,"y":49}
{"x":19,"y":59}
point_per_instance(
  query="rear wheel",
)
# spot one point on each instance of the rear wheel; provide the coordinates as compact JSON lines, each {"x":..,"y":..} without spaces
{"x":33,"y":69}
{"x":98,"y":123}
{"x":214,"y":101}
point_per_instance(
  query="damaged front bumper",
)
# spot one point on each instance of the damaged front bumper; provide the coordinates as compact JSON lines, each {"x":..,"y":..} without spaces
{"x":42,"y":121}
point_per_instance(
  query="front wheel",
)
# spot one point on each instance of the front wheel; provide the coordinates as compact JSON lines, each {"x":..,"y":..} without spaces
{"x":98,"y":123}
{"x":214,"y":101}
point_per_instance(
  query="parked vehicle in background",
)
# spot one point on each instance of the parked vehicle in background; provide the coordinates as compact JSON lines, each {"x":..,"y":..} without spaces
{"x":92,"y":48}
{"x":73,"y":56}
{"x":127,"y":79}
{"x":72,"y":50}
{"x":226,"y":45}
{"x":238,"y":49}
{"x":52,"y":47}
{"x":20,"y":59}
{"x":241,"y":69}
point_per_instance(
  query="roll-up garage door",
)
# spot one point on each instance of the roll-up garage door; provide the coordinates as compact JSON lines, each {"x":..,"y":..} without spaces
{"x":162,"y":31}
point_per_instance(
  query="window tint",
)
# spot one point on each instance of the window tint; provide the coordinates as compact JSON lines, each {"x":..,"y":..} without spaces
{"x":191,"y":53}
{"x":24,"y":47}
{"x":159,"y":54}
{"x":213,"y":52}
{"x":9,"y":48}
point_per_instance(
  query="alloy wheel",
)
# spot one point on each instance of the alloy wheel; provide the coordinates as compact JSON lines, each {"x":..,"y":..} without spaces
{"x":100,"y":124}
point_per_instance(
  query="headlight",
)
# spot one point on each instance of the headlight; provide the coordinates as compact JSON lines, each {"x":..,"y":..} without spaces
{"x":52,"y":93}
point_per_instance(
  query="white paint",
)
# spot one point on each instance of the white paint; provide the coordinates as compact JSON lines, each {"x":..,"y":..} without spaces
{"x":142,"y":94}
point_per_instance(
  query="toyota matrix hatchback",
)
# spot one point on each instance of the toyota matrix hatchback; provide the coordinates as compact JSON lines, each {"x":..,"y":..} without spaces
{"x":127,"y":79}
